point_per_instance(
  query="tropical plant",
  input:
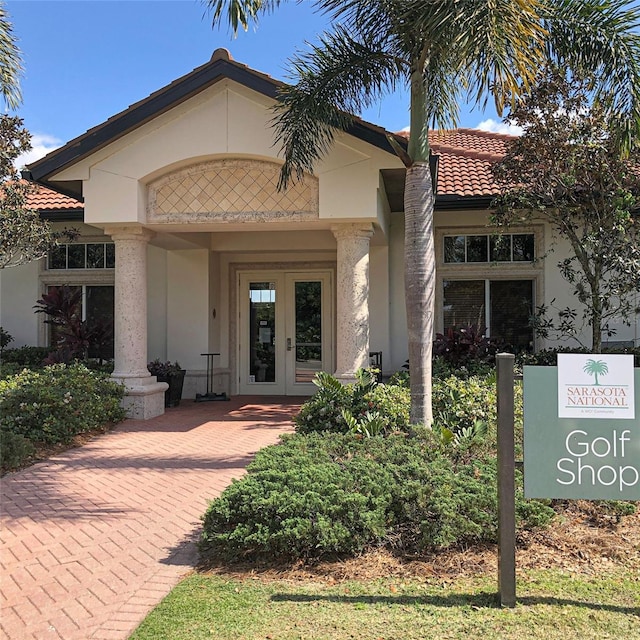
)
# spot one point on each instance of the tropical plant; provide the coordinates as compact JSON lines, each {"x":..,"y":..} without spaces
{"x":441,"y":50}
{"x":72,"y":336}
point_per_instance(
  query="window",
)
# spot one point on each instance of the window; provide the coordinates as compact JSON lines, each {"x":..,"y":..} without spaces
{"x":504,"y":307}
{"x":91,"y":255}
{"x":515,"y":247}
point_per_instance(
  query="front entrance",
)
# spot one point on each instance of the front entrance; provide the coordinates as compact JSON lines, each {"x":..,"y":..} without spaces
{"x":285,"y":331}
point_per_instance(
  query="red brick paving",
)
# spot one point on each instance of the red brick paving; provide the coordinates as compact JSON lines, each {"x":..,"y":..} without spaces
{"x":93,"y":538}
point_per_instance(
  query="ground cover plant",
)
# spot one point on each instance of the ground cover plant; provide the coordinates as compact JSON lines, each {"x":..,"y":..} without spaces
{"x":51,"y":406}
{"x":357,"y":475}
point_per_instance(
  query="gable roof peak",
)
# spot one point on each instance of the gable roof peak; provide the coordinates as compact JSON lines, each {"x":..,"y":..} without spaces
{"x":221,"y":54}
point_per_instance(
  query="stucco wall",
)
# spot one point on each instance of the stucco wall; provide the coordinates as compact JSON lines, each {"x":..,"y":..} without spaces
{"x":19,"y":291}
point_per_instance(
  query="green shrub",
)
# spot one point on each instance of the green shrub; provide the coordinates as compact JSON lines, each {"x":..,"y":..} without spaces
{"x":322,"y":494}
{"x":15,"y":450}
{"x":329,"y":409}
{"x":26,"y":356}
{"x":8,"y":369}
{"x":549,"y":357}
{"x":299,"y":503}
{"x":459,"y":404}
{"x":58,"y":402}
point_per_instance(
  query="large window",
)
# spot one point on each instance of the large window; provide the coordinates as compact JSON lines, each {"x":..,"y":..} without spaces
{"x":504,"y":307}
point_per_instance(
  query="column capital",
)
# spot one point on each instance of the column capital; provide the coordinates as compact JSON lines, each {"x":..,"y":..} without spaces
{"x":129,"y":232}
{"x":352,"y":230}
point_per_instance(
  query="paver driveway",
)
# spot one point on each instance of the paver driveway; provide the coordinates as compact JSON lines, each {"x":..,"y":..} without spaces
{"x":93,"y":538}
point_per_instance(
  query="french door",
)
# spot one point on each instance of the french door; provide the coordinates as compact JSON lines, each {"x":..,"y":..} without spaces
{"x":285,"y":331}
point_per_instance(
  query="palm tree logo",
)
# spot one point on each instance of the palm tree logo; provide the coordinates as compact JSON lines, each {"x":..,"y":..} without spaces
{"x":595,"y":368}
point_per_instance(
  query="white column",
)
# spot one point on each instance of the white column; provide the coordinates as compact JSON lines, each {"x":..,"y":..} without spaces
{"x":352,"y":322}
{"x":145,"y":395}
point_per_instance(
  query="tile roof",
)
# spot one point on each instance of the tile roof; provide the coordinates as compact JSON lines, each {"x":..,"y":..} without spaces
{"x":45,"y":199}
{"x":465,"y":159}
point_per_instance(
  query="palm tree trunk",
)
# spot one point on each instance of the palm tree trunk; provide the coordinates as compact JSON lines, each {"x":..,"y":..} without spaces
{"x":419,"y":282}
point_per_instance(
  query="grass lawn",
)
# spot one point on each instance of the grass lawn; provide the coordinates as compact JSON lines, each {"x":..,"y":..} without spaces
{"x":551,"y":604}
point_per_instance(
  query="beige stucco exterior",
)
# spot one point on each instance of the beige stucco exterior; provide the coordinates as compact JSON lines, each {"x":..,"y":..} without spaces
{"x":190,"y":199}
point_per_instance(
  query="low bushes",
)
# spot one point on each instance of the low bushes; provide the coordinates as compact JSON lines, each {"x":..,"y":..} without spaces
{"x":321,"y":494}
{"x":54,"y":404}
{"x":325,"y":410}
{"x":15,"y":450}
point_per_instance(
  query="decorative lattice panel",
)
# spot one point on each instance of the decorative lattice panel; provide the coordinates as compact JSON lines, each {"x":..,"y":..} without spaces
{"x":230,"y":190}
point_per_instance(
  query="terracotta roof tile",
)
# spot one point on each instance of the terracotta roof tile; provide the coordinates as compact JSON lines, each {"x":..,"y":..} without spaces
{"x":44,"y":199}
{"x":465,"y":159}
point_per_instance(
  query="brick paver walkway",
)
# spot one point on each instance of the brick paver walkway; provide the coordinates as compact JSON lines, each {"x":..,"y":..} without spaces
{"x":93,"y":538}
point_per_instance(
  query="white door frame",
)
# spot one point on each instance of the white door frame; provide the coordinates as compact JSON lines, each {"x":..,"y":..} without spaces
{"x":283,"y":340}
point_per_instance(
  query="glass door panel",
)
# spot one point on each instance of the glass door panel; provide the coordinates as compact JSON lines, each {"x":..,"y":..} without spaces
{"x":308,"y":330}
{"x":262,"y":332}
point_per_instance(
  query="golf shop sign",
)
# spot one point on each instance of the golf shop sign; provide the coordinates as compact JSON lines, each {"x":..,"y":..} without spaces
{"x":582,"y":428}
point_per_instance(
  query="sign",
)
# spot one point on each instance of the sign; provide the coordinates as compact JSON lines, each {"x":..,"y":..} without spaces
{"x":595,"y":386}
{"x":581,"y":436}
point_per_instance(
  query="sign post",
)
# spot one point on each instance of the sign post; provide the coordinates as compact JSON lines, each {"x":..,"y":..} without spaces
{"x":506,"y":482}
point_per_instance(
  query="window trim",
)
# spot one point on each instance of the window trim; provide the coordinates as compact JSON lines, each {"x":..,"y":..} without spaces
{"x":487,"y":270}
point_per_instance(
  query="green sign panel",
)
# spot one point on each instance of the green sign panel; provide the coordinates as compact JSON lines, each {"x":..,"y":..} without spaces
{"x":593,"y":458}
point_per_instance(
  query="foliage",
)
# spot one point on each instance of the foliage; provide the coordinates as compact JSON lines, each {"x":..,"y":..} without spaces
{"x":443,"y":368}
{"x":549,"y":357}
{"x":460,"y":345}
{"x":340,"y":408}
{"x":58,"y":402}
{"x":26,"y":356}
{"x":5,"y":340}
{"x":75,"y":338}
{"x":24,"y":236}
{"x":465,"y":406}
{"x":566,"y":170}
{"x":15,"y":450}
{"x":321,"y":494}
{"x":164,"y":369}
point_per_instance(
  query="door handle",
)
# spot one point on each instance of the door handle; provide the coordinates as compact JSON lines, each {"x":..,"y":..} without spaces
{"x":288,"y":344}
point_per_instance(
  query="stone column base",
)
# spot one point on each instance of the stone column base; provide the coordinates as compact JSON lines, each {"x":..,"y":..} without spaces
{"x":144,"y":397}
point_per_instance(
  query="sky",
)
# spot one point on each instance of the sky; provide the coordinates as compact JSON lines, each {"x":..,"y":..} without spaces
{"x":86,"y":60}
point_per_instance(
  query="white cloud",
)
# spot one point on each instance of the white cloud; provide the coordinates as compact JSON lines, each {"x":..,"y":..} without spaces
{"x":495,"y":126}
{"x":41,"y":144}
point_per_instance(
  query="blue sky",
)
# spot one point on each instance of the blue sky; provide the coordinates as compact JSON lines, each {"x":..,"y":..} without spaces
{"x":87,"y":60}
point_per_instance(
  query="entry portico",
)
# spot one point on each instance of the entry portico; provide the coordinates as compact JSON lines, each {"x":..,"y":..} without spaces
{"x":212,"y":257}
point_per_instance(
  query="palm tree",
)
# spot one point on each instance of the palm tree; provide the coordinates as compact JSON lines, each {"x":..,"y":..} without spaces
{"x":10,"y":65}
{"x":595,"y":368}
{"x":442,"y":50}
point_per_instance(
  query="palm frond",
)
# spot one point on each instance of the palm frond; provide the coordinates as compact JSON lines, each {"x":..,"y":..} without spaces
{"x":340,"y":76}
{"x":599,"y":40}
{"x":10,"y":64}
{"x":239,"y":13}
